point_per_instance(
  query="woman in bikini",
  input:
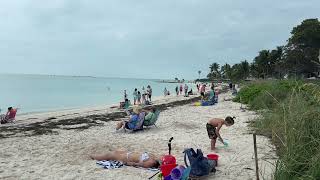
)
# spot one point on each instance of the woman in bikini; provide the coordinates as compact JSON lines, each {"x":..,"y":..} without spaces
{"x":128,"y":158}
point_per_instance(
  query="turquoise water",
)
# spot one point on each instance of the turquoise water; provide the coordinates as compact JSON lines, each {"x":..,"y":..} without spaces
{"x":38,"y":93}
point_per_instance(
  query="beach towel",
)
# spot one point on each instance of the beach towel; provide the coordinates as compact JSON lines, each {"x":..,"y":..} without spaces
{"x":110,"y":164}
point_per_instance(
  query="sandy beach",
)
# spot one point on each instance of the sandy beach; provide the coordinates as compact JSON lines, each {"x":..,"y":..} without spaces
{"x":62,"y":152}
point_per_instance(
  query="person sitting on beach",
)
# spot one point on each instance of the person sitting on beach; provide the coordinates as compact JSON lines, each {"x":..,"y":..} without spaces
{"x":190,"y":92}
{"x":213,"y":129}
{"x":9,"y":116}
{"x":134,"y":119}
{"x":212,"y":94}
{"x":137,"y":159}
{"x":150,"y":113}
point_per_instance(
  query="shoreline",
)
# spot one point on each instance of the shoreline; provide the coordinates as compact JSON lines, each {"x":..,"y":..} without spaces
{"x":49,"y":122}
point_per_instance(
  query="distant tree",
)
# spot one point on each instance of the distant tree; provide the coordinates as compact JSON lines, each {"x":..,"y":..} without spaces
{"x":214,"y":71}
{"x":240,"y":70}
{"x":226,"y":71}
{"x":176,"y":79}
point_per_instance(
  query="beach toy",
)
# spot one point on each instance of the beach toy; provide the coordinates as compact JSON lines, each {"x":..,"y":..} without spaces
{"x":197,"y":103}
{"x":226,"y":143}
{"x":186,"y":173}
{"x":168,"y":161}
{"x":213,"y":157}
{"x":177,"y":172}
{"x":166,"y":169}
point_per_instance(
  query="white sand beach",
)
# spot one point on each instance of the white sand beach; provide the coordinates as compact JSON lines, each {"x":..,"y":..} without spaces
{"x":64,"y":155}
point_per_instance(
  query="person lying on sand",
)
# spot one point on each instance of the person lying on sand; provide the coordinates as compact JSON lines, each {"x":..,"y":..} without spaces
{"x":144,"y":159}
{"x":213,"y":129}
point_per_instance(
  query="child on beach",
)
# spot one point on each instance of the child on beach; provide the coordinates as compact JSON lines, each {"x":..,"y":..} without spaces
{"x":213,"y":129}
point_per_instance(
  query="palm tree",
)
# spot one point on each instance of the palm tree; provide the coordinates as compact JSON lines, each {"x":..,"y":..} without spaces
{"x":226,"y":71}
{"x":199,"y":72}
{"x":214,"y":70}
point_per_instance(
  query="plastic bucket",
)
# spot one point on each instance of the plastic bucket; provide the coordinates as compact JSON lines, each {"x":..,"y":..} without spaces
{"x":214,"y":157}
{"x":166,"y":169}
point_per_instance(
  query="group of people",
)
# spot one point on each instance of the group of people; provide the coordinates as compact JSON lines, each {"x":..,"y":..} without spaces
{"x":137,"y":115}
{"x":143,"y":97}
{"x":147,"y":160}
{"x":183,"y":89}
{"x":9,"y":116}
{"x":202,"y":89}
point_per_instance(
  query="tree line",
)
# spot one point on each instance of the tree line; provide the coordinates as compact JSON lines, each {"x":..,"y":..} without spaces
{"x":298,"y":58}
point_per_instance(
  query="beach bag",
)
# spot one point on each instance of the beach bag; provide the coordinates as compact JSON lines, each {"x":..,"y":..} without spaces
{"x":200,"y":165}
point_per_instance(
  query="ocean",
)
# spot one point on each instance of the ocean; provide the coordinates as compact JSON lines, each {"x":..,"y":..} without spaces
{"x":41,"y":93}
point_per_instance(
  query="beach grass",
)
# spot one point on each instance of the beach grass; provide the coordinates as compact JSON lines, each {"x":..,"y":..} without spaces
{"x":290,"y":116}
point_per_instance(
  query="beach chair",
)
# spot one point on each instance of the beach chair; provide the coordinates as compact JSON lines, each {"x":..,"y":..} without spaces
{"x":139,"y":123}
{"x":153,"y":120}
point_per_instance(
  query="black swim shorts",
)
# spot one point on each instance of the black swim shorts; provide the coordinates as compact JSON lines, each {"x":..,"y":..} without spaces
{"x":211,"y":131}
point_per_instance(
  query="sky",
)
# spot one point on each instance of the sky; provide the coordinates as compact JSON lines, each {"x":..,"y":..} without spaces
{"x":160,"y":39}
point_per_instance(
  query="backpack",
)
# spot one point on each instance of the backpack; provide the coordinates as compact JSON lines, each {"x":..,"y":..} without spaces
{"x":200,"y":165}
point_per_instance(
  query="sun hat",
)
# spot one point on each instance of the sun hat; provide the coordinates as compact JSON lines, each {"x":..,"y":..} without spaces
{"x":136,"y":109}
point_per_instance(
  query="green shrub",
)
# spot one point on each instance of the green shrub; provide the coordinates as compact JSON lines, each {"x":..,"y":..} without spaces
{"x":293,"y":123}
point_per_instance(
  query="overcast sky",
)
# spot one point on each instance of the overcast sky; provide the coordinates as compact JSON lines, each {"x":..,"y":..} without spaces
{"x":141,"y":38}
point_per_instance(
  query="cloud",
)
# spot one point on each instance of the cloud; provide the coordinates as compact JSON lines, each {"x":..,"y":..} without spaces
{"x":130,"y":38}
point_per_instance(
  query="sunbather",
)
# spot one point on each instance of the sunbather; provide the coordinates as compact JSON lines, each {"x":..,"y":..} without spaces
{"x":128,"y":158}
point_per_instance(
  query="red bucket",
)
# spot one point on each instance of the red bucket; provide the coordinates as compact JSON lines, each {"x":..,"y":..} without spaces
{"x":166,"y":169}
{"x":214,"y":157}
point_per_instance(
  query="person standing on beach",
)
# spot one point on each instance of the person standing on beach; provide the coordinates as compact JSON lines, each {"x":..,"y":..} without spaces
{"x":149,"y":92}
{"x":177,"y":90}
{"x":135,"y":96}
{"x":202,"y":90}
{"x":125,"y":95}
{"x":181,"y":88}
{"x":165,"y":92}
{"x":139,"y":97}
{"x":186,"y":90}
{"x":213,"y":128}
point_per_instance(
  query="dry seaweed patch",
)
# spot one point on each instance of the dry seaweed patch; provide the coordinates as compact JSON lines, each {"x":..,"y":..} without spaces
{"x":52,"y":124}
